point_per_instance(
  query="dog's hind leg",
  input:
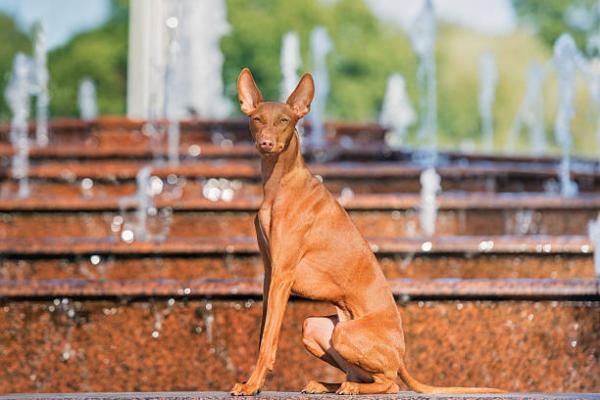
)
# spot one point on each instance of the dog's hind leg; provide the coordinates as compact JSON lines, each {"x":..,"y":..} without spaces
{"x":371,"y":343}
{"x":316,"y":337}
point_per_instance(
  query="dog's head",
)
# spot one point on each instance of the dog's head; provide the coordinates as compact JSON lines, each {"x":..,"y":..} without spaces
{"x":273,"y":124}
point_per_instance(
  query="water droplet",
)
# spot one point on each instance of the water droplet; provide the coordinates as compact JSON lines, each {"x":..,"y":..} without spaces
{"x":171,"y":302}
{"x":459,"y":306}
{"x":227,"y":194}
{"x":155,"y":334}
{"x":187,"y":290}
{"x":95,"y":259}
{"x":172,"y":22}
{"x":87,"y":183}
{"x":486,"y":245}
{"x":585,"y":248}
{"x":209,"y":306}
{"x":171,"y":179}
{"x":127,"y":236}
{"x":426,"y":246}
{"x":156,"y":185}
{"x":194,"y":150}
{"x":573,"y":343}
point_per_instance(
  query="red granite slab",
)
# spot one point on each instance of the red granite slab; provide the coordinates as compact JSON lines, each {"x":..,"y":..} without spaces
{"x":250,"y":265}
{"x":544,"y":288}
{"x":101,"y":345}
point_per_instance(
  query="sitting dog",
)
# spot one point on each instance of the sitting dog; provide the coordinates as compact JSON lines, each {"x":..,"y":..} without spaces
{"x":311,"y":248}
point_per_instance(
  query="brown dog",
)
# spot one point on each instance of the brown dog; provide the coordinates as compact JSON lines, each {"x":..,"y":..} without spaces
{"x":311,"y":248}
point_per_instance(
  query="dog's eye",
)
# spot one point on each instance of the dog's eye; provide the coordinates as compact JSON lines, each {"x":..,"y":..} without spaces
{"x":257,"y":120}
{"x":284,"y":120}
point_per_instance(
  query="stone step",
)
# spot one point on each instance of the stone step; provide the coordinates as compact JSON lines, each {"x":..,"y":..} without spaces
{"x":462,"y":245}
{"x":126,"y":132}
{"x":211,"y":265}
{"x":373,"y":177}
{"x":446,"y":288}
{"x":190,"y":343}
{"x":289,"y":396}
{"x":384,"y":215}
{"x":118,"y":137}
{"x":193,"y":258}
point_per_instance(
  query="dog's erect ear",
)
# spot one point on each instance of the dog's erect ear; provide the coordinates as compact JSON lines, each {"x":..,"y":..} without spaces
{"x":248,"y":92}
{"x":302,"y":96}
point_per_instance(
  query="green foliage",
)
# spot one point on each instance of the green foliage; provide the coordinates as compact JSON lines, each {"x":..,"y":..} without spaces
{"x":365,"y":51}
{"x":547,"y":18}
{"x":100,"y":54}
{"x":12,"y":41}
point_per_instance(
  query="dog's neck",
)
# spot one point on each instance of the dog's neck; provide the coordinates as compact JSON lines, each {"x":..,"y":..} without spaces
{"x":275,"y":169}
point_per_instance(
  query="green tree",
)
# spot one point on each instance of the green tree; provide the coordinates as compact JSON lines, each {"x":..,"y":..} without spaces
{"x":548,"y":18}
{"x":365,"y":51}
{"x":100,"y":54}
{"x":12,"y":41}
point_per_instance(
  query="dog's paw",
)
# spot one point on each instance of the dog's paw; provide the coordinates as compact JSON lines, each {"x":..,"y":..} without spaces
{"x":348,"y":388}
{"x":314,"y":387}
{"x":244,"y":389}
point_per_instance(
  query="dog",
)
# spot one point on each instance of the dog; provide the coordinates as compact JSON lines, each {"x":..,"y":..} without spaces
{"x":311,"y":248}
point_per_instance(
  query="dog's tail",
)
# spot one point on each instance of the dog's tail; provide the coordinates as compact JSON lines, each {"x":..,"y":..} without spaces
{"x":417,"y":386}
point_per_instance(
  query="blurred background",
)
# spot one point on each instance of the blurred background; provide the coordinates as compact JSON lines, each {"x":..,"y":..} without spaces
{"x":370,"y":41}
{"x":462,"y":137}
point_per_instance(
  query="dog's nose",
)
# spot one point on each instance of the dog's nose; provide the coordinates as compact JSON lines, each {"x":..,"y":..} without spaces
{"x":266,"y":144}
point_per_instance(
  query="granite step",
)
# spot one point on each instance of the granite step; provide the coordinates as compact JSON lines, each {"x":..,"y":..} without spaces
{"x":377,"y":177}
{"x":405,"y":289}
{"x":385,"y":215}
{"x":92,"y":344}
{"x":562,"y":257}
{"x":291,"y":396}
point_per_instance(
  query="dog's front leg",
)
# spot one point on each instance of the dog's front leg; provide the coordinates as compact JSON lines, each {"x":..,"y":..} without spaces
{"x":278,"y":295}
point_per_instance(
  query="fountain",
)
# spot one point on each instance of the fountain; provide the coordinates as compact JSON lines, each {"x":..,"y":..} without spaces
{"x":147,"y":187}
{"x":41,"y":77}
{"x":152,"y":128}
{"x":594,"y":89}
{"x":488,"y":77}
{"x":87,"y":100}
{"x":290,"y":63}
{"x":17,"y":95}
{"x":531,"y":112}
{"x":203,"y":24}
{"x":566,"y":63}
{"x":430,"y":187}
{"x":594,"y":235}
{"x":423,"y":38}
{"x":172,"y":99}
{"x":320,"y":46}
{"x":397,"y":112}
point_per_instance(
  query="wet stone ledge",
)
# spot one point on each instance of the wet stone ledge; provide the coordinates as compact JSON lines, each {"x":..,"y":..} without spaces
{"x":291,"y":395}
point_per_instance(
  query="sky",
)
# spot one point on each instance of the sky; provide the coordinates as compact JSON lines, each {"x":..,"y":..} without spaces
{"x":62,"y":18}
{"x":494,"y":17}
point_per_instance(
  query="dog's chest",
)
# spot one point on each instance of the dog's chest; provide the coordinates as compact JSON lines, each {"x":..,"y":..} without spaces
{"x":264,"y":221}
